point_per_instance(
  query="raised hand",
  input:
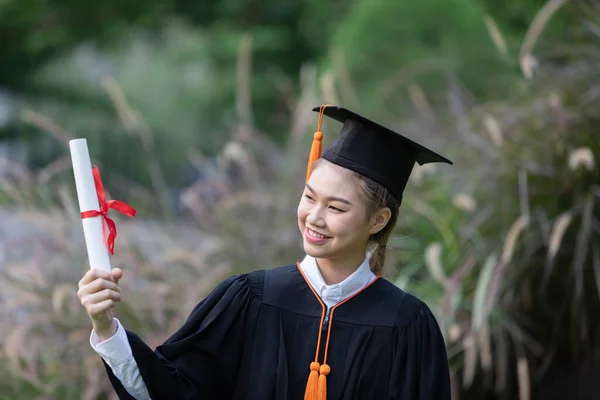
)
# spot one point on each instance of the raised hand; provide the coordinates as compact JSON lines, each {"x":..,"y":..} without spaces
{"x":98,"y":293}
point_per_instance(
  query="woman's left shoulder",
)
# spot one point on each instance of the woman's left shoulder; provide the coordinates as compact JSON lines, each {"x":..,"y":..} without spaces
{"x":411,"y":309}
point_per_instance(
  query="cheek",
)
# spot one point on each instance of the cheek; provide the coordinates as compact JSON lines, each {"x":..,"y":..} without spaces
{"x":339,"y":224}
{"x":346,"y":225}
{"x":302,"y":211}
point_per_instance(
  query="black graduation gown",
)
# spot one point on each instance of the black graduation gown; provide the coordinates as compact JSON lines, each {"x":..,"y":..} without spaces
{"x":255,"y":335}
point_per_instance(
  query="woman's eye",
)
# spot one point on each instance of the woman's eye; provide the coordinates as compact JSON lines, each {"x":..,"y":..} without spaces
{"x":308,"y":197}
{"x":336,"y":209}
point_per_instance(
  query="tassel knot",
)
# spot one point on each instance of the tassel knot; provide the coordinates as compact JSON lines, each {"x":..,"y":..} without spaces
{"x":315,"y":150}
{"x":312,"y":386}
{"x":322,"y":385}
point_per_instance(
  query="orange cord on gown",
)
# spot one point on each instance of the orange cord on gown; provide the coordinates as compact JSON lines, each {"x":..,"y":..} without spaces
{"x":316,"y":386}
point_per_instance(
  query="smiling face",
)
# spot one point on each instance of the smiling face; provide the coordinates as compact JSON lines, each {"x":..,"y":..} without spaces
{"x":332,"y":216}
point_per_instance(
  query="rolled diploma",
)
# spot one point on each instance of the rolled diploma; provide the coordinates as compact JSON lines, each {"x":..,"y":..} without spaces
{"x":88,"y":200}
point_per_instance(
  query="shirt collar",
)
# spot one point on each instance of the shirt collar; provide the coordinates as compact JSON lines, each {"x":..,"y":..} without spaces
{"x":333,"y":294}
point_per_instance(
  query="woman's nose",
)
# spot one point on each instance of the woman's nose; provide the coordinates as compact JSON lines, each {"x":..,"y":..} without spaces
{"x":315,"y":216}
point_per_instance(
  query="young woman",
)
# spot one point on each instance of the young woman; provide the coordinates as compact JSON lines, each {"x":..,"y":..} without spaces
{"x":329,"y":327}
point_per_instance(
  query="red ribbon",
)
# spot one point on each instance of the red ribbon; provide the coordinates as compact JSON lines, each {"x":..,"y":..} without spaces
{"x":116,"y":205}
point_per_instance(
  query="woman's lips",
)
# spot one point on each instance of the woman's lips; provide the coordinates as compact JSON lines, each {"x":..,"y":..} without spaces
{"x":315,"y":237}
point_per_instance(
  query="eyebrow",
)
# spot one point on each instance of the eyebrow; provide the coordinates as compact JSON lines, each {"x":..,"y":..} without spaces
{"x":331,"y":198}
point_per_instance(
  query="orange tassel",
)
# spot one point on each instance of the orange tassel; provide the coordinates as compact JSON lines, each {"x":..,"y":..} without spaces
{"x":322,"y":388}
{"x":313,"y":381}
{"x":316,"y":387}
{"x":315,"y":149}
{"x":315,"y":152}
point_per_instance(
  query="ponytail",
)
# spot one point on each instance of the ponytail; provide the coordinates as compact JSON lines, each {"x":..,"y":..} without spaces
{"x":380,"y":239}
{"x":377,"y":260}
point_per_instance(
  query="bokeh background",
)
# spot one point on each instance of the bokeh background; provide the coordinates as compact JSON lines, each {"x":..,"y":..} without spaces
{"x":199,"y":115}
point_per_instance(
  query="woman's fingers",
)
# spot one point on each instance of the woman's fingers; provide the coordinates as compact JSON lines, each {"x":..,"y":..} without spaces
{"x":117,"y":274}
{"x":101,"y":284}
{"x":100,"y":308}
{"x":93,"y":274}
{"x":96,"y":286}
{"x":92,"y":299}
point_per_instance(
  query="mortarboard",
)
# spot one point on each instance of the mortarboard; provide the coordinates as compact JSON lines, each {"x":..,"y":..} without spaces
{"x":371,"y":149}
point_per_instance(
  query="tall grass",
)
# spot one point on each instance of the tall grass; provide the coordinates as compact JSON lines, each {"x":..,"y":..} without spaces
{"x":504,"y":246}
{"x":512,"y":264}
{"x":240,"y":218}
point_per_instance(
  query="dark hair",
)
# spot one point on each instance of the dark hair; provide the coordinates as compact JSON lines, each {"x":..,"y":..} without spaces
{"x":376,"y":197}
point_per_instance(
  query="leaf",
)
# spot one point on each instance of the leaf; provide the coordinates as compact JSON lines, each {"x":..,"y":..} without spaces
{"x":29,"y":275}
{"x":470,"y":357}
{"x":558,"y":231}
{"x":521,"y":338}
{"x":454,"y":333}
{"x":581,"y":247}
{"x":406,"y":273}
{"x":481,"y":291}
{"x":465,"y":202}
{"x":501,"y":363}
{"x":434,"y":264}
{"x":497,"y":37}
{"x":59,"y":294}
{"x":596,"y":264}
{"x":15,"y":343}
{"x":437,"y":220}
{"x":536,"y":27}
{"x":485,"y":353}
{"x":523,"y":379}
{"x":511,"y":238}
{"x":44,"y":123}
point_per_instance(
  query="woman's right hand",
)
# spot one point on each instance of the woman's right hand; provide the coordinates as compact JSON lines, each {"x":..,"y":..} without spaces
{"x":98,"y":293}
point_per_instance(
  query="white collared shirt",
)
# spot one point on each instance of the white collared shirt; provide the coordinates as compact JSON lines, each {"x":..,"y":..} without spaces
{"x":119,"y":357}
{"x":336,"y":293}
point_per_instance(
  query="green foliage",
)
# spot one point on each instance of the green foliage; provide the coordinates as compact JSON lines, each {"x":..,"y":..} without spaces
{"x":188,"y":84}
{"x":512,"y":264}
{"x":167,"y":95}
{"x":514,"y":18}
{"x":388,"y":45}
{"x":34,"y":32}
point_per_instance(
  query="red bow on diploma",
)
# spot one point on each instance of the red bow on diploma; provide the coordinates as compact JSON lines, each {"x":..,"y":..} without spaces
{"x":117,"y":205}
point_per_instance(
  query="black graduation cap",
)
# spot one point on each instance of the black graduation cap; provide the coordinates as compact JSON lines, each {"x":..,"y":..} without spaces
{"x":373,"y":150}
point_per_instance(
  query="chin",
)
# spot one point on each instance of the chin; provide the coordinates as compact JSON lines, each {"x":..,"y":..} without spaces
{"x":311,"y":251}
{"x":317,"y":253}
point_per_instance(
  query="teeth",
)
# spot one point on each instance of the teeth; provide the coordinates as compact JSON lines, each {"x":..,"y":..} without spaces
{"x":316,"y":234}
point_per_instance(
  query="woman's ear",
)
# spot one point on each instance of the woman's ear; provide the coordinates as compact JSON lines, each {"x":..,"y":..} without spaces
{"x":380,"y":219}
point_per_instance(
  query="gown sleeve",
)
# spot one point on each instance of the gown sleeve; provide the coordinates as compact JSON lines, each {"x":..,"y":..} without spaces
{"x":420,"y":370}
{"x":200,"y":360}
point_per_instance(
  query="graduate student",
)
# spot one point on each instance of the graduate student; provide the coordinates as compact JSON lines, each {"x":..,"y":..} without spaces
{"x":328,"y":327}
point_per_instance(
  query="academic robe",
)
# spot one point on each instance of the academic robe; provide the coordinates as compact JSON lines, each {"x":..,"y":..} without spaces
{"x":255,"y":336}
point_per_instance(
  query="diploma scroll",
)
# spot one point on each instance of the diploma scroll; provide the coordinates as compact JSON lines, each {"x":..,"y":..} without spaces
{"x":87,"y":196}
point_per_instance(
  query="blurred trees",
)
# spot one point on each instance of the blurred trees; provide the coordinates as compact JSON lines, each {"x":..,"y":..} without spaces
{"x":194,"y":71}
{"x":34,"y":33}
{"x":376,"y":38}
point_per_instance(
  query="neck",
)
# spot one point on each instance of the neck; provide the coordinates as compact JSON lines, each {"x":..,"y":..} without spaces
{"x":335,"y":271}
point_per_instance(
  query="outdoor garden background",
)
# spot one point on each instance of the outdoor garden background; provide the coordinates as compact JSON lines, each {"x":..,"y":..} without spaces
{"x":199,"y":115}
